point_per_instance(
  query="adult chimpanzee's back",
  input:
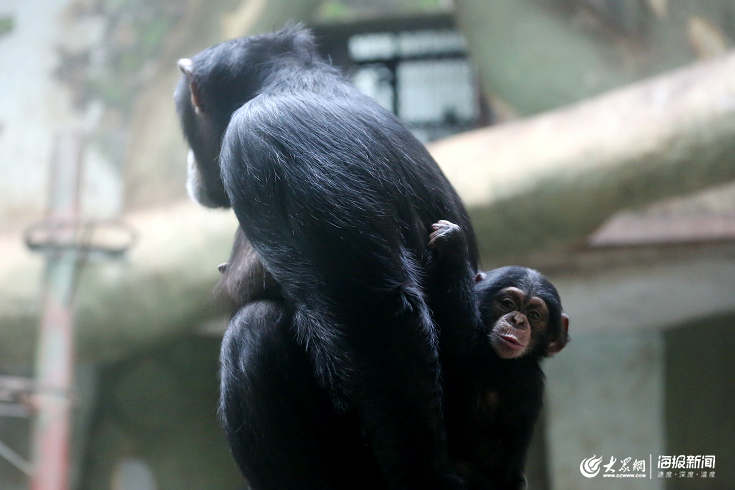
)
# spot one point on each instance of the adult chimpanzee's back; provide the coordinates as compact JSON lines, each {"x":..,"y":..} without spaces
{"x":337,"y":198}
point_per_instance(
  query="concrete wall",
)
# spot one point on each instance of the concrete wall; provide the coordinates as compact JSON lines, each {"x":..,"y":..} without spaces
{"x":605,"y":398}
{"x":638,"y":393}
{"x":700,"y":398}
{"x":36,"y":102}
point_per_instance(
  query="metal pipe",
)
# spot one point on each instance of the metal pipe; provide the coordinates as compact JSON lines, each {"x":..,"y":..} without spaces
{"x":55,"y":357}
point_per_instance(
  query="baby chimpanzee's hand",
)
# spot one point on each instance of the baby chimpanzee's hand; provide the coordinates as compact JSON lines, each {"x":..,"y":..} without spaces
{"x":445,"y":232}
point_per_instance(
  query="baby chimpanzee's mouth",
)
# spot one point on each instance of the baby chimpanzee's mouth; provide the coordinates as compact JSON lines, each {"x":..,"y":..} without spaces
{"x":511,"y":341}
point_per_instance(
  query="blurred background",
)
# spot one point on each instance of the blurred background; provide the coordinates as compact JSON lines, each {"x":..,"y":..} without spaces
{"x":591,"y":139}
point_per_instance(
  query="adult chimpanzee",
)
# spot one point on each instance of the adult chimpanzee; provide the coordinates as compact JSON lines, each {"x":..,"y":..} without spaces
{"x":336,"y":197}
{"x":492,"y":376}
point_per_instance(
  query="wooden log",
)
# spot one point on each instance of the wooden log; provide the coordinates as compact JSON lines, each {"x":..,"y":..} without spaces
{"x":162,"y":287}
{"x":550,"y":180}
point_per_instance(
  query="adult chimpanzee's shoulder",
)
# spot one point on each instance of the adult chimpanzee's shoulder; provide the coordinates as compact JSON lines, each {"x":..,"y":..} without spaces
{"x":321,"y":115}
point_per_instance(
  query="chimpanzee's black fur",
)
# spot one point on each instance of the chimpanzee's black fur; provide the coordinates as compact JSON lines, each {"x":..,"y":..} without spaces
{"x":337,"y":197}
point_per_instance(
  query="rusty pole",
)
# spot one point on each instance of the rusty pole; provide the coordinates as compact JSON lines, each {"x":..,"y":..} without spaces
{"x":54,"y":360}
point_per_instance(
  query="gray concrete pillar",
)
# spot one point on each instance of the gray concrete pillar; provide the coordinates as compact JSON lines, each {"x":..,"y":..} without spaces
{"x":605,"y":397}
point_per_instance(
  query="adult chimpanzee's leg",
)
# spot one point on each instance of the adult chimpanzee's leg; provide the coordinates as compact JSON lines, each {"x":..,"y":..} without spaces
{"x":281,"y":425}
{"x":259,"y":387}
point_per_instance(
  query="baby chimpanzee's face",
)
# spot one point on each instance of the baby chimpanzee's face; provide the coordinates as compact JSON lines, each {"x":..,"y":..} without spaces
{"x":522,"y":312}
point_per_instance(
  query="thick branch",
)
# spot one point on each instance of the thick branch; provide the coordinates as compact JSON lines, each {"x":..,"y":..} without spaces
{"x":552,"y":179}
{"x":162,"y":287}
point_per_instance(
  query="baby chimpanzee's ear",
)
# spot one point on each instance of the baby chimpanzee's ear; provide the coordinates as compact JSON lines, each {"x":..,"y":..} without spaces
{"x":480,"y":276}
{"x":558,"y":344}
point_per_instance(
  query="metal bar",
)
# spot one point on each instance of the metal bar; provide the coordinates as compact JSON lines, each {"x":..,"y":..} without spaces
{"x":13,"y":385}
{"x":54,"y":361}
{"x":14,"y":410}
{"x":15,"y":459}
{"x":17,"y":383}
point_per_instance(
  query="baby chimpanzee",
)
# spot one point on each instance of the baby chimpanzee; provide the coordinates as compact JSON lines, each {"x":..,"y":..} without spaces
{"x":493,"y":383}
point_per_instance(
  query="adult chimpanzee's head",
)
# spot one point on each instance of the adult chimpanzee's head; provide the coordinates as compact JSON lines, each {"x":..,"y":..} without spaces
{"x":214,"y":84}
{"x":523,"y":311}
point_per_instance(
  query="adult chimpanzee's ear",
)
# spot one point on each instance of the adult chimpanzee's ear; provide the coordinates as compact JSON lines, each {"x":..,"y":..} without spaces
{"x":558,"y":344}
{"x":186,"y":65}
